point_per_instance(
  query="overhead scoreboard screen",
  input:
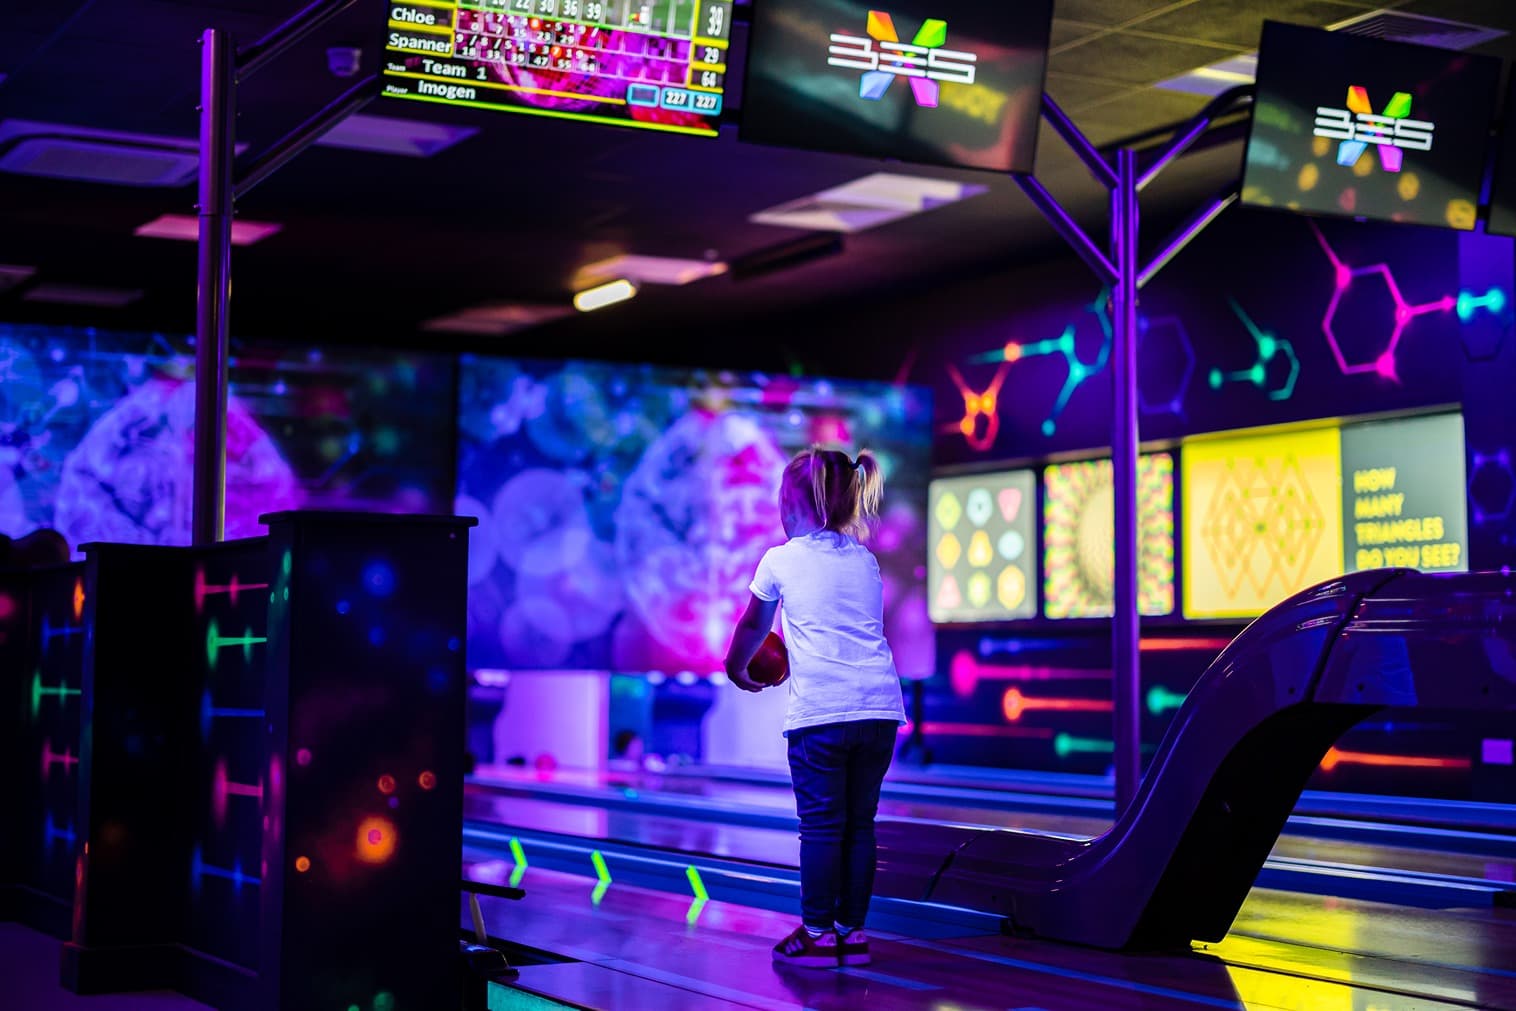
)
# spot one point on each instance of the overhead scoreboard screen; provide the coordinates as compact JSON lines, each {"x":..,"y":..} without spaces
{"x":945,"y":82}
{"x":657,"y":66}
{"x":1360,"y":127}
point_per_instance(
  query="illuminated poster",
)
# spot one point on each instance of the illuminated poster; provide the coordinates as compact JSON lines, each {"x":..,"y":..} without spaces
{"x":659,"y":66}
{"x":1262,"y":520}
{"x":1078,"y":540}
{"x":1360,"y":127}
{"x":941,"y":83}
{"x":980,"y":564}
{"x":1403,"y":495}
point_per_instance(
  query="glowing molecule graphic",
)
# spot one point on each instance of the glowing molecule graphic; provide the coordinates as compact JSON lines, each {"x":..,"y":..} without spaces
{"x":40,"y":691}
{"x":1263,"y":373}
{"x":1492,"y":487}
{"x":215,"y":642}
{"x":979,"y":404}
{"x":1404,"y":313}
{"x":1078,"y":372}
{"x":1165,"y":338}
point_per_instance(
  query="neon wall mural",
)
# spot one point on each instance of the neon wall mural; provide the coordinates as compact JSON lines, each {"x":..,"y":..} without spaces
{"x":623,"y":509}
{"x":1263,"y":520}
{"x":1078,"y":529}
{"x":95,"y":434}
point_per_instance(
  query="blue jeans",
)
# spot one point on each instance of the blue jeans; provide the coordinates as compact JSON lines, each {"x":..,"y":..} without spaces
{"x":837,"y":770}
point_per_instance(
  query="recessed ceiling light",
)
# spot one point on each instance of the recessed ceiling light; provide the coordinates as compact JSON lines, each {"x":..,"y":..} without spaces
{"x":866,"y":203}
{"x":603,"y":295}
{"x":187,"y":229}
{"x":649,"y":270}
{"x":392,"y":135}
{"x":10,"y":276}
{"x":83,"y":294}
{"x":497,"y":320}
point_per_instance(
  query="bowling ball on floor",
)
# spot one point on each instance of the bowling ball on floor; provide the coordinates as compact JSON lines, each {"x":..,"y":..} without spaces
{"x":771,"y":664}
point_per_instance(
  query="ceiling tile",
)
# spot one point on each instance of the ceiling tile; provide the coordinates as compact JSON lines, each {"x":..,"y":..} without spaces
{"x":1240,"y":24}
{"x":1113,"y":12}
{"x":1073,"y":93}
{"x":1133,"y":59}
{"x":1065,"y":32}
{"x":1136,"y":112}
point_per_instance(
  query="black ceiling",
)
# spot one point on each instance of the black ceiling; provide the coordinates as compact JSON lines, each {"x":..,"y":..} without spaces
{"x":373,"y":244}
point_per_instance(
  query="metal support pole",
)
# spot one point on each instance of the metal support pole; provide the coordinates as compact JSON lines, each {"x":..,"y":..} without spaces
{"x":1065,"y":225}
{"x":1126,"y":680}
{"x":218,"y":139}
{"x":1193,"y":226}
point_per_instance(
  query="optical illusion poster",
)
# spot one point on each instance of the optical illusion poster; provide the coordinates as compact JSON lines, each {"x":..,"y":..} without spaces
{"x":1263,"y":520}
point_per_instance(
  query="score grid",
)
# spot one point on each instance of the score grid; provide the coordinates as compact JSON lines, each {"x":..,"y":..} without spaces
{"x":659,"y":65}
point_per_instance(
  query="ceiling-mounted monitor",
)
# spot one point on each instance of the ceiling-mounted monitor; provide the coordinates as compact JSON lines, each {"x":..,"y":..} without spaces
{"x":1503,"y":188}
{"x":1358,"y":127}
{"x":946,"y":82}
{"x":658,"y":66}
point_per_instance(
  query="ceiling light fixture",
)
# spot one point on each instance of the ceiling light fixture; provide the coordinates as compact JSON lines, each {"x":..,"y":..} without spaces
{"x":603,"y":295}
{"x":187,"y":229}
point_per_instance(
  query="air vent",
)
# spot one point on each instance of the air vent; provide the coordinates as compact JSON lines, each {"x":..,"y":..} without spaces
{"x":1394,"y":26}
{"x":866,"y":203}
{"x":59,"y":151}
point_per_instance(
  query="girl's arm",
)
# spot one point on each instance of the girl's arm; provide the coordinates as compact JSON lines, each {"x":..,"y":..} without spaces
{"x":748,"y":636}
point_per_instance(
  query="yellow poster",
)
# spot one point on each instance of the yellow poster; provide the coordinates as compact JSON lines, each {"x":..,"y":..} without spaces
{"x":1262,"y":520}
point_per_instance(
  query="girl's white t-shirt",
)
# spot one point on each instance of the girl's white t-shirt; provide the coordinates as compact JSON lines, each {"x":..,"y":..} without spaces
{"x":841,"y":667}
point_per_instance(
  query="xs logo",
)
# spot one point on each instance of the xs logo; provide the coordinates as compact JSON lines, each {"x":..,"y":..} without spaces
{"x":1357,"y":126}
{"x":922,"y":61}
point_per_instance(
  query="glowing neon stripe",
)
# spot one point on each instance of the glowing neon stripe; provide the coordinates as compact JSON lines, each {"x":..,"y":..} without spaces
{"x":65,"y":758}
{"x":977,"y":730}
{"x":1334,"y":758}
{"x":1065,"y":745}
{"x":233,"y":589}
{"x":39,"y":691}
{"x":53,"y":834}
{"x":1160,"y":700}
{"x":1014,"y":704}
{"x":215,"y":642}
{"x":49,"y":633}
{"x":200,"y":870}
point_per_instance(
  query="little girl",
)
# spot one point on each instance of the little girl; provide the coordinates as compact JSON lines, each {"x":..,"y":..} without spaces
{"x":844,"y":696}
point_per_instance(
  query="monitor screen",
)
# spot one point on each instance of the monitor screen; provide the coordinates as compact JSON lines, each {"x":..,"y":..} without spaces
{"x":623,"y":509}
{"x":981,"y":566}
{"x":1358,"y":127}
{"x":1078,"y":528}
{"x":1404,"y":501}
{"x":942,"y":83}
{"x":1262,"y":519}
{"x":659,"y":66}
{"x":1503,"y":188}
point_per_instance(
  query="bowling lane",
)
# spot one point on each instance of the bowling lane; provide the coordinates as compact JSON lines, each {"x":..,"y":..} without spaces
{"x":747,"y":821}
{"x":629,"y":946}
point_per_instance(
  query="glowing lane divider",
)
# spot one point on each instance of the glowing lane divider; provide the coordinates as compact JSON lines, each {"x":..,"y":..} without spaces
{"x":223,"y":788}
{"x":1014,"y":704}
{"x":1160,"y":700}
{"x":603,"y":876}
{"x":697,"y":887}
{"x":215,"y":642}
{"x":519,"y":856}
{"x":966,"y":672}
{"x":1334,"y":758}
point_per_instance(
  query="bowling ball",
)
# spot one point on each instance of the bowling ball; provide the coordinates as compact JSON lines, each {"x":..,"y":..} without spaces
{"x":771,"y":664}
